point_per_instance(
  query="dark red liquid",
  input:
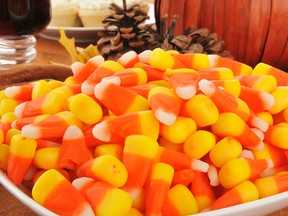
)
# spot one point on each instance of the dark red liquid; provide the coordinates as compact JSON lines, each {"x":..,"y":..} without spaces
{"x":21,"y":17}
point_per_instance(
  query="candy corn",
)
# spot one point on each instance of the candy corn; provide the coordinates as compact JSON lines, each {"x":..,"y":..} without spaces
{"x":20,"y":156}
{"x":56,"y":193}
{"x":138,"y":156}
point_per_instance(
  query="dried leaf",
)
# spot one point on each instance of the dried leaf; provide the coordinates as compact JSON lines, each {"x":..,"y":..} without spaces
{"x":69,"y":45}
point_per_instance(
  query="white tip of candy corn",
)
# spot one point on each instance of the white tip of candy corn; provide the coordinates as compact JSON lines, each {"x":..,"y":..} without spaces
{"x":268,"y":99}
{"x":97,"y":60}
{"x":206,"y":87}
{"x":199,"y":165}
{"x":258,"y":147}
{"x":101,"y":132}
{"x":213,"y":176}
{"x":112,"y":79}
{"x":247,"y":154}
{"x":19,"y":109}
{"x":185,"y":92}
{"x":84,"y":210}
{"x":164,"y":117}
{"x":76,"y":66}
{"x":31,"y":131}
{"x":87,"y":88}
{"x":99,"y":90}
{"x":11,"y":91}
{"x":259,"y":123}
{"x":128,"y":57}
{"x":144,"y":56}
{"x":72,"y":132}
{"x":81,"y":182}
{"x":258,"y":132}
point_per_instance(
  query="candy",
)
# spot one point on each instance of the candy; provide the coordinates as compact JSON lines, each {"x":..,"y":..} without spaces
{"x":277,"y":135}
{"x":199,"y":143}
{"x":138,"y":156}
{"x":85,"y":108}
{"x":21,"y":93}
{"x":217,"y":73}
{"x":202,"y":109}
{"x":271,"y":185}
{"x":56,"y":193}
{"x":232,"y":86}
{"x":73,"y":150}
{"x":119,"y":100}
{"x":202,"y":191}
{"x":8,"y":105}
{"x":180,"y":201}
{"x":225,"y":150}
{"x":242,"y":193}
{"x":40,"y":88}
{"x":47,"y":158}
{"x":157,"y":188}
{"x":110,"y":148}
{"x":179,"y":131}
{"x":108,"y":200}
{"x":183,"y":177}
{"x":20,"y":156}
{"x":238,"y":170}
{"x":165,"y":104}
{"x":116,"y":129}
{"x":4,"y":152}
{"x":128,"y":59}
{"x":230,"y":124}
{"x":196,"y":61}
{"x":281,"y":100}
{"x":107,"y":68}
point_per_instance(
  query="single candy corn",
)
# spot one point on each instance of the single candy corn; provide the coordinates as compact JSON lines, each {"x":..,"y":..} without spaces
{"x":271,"y":185}
{"x":53,"y":191}
{"x":183,"y":81}
{"x":196,"y":61}
{"x":118,"y":128}
{"x":273,"y":153}
{"x":47,"y":158}
{"x":256,"y":122}
{"x":165,"y":104}
{"x":82,"y":71}
{"x":216,"y":73}
{"x":85,"y":108}
{"x":281,"y":76}
{"x":225,"y":101}
{"x":21,"y":122}
{"x":46,"y":127}
{"x":128,"y":59}
{"x":106,"y":199}
{"x":241,"y":193}
{"x":277,"y":135}
{"x":40,"y":88}
{"x":266,"y":83}
{"x":158,"y":56}
{"x":21,"y":92}
{"x":4,"y":152}
{"x":237,"y":67}
{"x":281,"y":100}
{"x":202,"y":109}
{"x":157,"y":187}
{"x":119,"y":100}
{"x":73,"y":150}
{"x":179,"y":131}
{"x":238,"y":170}
{"x":21,"y":153}
{"x":51,"y":103}
{"x":180,"y":201}
{"x":8,"y":105}
{"x":230,"y":124}
{"x":225,"y":150}
{"x":202,"y":190}
{"x":138,"y":157}
{"x":106,"y":168}
{"x":232,"y":86}
{"x":199,"y":143}
{"x":179,"y":160}
{"x":106,"y":69}
{"x":128,"y":77}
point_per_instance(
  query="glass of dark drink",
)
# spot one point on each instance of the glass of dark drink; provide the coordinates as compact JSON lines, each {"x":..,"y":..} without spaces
{"x":20,"y":20}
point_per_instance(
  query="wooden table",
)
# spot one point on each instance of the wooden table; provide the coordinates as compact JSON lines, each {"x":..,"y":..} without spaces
{"x":53,"y":51}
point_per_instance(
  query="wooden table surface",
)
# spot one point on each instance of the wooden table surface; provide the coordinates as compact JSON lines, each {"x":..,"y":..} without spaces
{"x":53,"y":51}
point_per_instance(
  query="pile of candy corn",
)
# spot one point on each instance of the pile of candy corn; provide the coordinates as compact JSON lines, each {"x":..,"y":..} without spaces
{"x":155,"y":133}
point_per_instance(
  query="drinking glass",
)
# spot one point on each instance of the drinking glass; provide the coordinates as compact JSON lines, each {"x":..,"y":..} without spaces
{"x":20,"y":20}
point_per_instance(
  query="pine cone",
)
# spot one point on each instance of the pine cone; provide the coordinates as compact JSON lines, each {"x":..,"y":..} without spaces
{"x":130,"y":34}
{"x":192,"y":40}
